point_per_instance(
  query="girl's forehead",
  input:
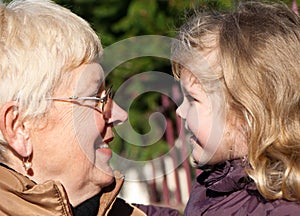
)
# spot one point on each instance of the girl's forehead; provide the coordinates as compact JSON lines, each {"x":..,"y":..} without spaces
{"x":188,"y":78}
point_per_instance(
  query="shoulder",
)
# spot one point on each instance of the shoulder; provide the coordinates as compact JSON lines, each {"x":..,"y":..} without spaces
{"x":226,"y":190}
{"x":245,"y":201}
{"x":10,"y":179}
{"x":282,"y":207}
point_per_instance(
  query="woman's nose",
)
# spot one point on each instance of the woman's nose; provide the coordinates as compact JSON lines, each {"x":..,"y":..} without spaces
{"x":118,"y":115}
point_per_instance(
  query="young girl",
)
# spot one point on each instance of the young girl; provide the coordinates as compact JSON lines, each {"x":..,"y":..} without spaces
{"x":240,"y":73}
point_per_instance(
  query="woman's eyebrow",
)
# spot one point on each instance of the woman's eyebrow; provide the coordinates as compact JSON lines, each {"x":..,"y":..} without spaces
{"x":100,"y":88}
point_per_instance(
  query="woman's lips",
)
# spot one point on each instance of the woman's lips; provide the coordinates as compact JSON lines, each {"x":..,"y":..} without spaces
{"x":104,"y":148}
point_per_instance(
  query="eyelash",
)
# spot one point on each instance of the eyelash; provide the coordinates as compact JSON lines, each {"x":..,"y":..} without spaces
{"x":190,"y":98}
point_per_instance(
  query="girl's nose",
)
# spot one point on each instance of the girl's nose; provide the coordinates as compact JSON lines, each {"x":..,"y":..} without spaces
{"x":182,"y":109}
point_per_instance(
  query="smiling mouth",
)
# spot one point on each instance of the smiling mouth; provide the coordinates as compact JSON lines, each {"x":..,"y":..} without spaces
{"x":103,"y":146}
{"x":104,"y":149}
{"x":194,"y":140}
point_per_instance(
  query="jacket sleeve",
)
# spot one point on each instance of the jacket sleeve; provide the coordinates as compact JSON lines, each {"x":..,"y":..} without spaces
{"x":121,"y":207}
{"x":152,"y":210}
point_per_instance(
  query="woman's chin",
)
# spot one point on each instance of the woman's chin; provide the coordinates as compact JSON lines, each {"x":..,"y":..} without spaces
{"x":102,"y":176}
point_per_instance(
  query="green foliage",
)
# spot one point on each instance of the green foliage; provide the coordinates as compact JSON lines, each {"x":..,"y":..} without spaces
{"x":115,"y":20}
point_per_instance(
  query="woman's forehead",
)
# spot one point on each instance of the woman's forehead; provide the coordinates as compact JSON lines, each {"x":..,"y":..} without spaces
{"x":91,"y":79}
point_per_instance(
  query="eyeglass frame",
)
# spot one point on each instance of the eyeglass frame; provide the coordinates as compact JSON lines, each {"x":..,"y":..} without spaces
{"x":105,"y":100}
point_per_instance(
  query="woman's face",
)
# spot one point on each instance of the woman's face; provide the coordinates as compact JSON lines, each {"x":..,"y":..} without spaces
{"x":203,"y":121}
{"x":73,"y":146}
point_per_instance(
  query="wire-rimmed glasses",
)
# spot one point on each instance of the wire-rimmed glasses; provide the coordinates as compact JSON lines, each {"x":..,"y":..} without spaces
{"x":104,"y":104}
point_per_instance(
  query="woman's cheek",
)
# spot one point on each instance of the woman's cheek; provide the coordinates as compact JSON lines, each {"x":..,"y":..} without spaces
{"x":99,"y":122}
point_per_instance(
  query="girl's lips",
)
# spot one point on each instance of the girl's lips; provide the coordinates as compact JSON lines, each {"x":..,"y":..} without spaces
{"x":194,"y":140}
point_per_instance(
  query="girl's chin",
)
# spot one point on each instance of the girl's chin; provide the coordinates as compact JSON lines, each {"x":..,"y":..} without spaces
{"x":198,"y":160}
{"x":198,"y":154}
{"x":202,"y":158}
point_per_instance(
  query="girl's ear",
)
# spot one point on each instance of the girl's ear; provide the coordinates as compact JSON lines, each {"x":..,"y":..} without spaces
{"x":14,"y":130}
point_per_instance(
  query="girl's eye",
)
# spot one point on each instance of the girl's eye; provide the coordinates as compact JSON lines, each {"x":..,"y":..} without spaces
{"x":189,"y":98}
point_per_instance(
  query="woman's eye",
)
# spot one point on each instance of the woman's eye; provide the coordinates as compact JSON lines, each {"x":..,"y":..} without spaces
{"x":97,"y":102}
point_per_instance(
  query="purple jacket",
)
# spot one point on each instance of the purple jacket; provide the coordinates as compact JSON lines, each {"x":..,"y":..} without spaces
{"x":226,"y":190}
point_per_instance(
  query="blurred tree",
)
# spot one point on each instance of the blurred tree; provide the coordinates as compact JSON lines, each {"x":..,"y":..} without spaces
{"x":115,"y":20}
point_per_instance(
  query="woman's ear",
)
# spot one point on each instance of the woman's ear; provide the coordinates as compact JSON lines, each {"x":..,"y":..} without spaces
{"x":14,"y":130}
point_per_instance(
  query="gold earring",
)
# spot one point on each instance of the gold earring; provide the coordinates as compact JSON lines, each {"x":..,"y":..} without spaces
{"x":26,"y":164}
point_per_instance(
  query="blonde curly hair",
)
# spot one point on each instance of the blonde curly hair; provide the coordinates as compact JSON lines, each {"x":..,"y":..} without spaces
{"x":259,"y":55}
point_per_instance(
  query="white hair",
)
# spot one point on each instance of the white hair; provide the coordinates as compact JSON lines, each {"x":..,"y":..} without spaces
{"x":40,"y":42}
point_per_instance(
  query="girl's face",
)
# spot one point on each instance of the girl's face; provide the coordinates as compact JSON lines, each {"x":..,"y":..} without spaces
{"x":205,"y":123}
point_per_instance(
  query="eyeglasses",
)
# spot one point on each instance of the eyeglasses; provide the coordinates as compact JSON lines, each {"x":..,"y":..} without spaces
{"x":103,"y":104}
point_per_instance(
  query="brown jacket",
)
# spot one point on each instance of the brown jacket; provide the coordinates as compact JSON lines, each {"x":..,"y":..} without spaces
{"x":21,"y":196}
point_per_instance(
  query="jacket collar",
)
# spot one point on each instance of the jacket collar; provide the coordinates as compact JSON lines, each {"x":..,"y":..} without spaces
{"x":109,"y":194}
{"x":225,"y":177}
{"x":23,"y":195}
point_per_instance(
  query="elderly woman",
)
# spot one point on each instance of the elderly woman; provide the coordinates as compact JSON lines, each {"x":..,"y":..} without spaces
{"x":240,"y":72}
{"x":56,"y":117}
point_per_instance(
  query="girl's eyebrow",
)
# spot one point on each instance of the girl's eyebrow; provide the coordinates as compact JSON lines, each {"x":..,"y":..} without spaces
{"x":185,"y":92}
